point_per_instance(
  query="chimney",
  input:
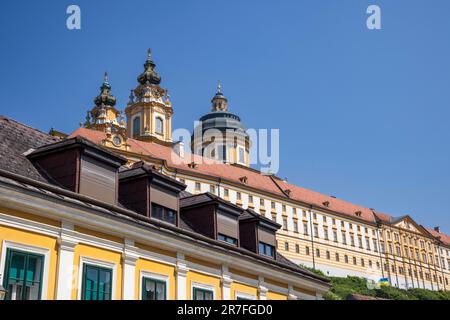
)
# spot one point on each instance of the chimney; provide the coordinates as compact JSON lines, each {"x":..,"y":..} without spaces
{"x":178,"y":148}
{"x":80,"y":166}
{"x":437,"y":229}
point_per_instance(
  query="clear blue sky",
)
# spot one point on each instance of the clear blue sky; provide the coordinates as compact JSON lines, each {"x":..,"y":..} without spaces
{"x":364,"y":115}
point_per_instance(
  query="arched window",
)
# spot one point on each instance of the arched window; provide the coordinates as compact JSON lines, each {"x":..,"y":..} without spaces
{"x":159,"y":125}
{"x":136,"y":126}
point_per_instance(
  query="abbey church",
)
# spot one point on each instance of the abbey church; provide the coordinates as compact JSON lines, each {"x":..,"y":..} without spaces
{"x":119,"y":199}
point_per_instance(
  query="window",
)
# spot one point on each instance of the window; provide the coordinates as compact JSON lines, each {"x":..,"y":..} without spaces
{"x":335,"y":237}
{"x":241,"y":155}
{"x":286,"y":246}
{"x":226,"y":193}
{"x":283,"y":207}
{"x":164,"y":214}
{"x":354,"y":261}
{"x":316,"y":232}
{"x":297,"y":248}
{"x":153,"y":289}
{"x":97,"y":283}
{"x":203,"y":294}
{"x":228,"y":239}
{"x":274,"y":216}
{"x":250,"y":199}
{"x":344,"y":237}
{"x":367,"y":244}
{"x":136,"y":126}
{"x":238,"y":196}
{"x":314,"y":216}
{"x":328,"y":255}
{"x":284,"y":223}
{"x":212,"y":189}
{"x":360,"y":243}
{"x":375,"y":247}
{"x":159,"y":125}
{"x":352,"y":240}
{"x":197,"y":186}
{"x":305,"y":228}
{"x":363,"y":263}
{"x":295,"y":223}
{"x":266,"y":249}
{"x":346,"y":258}
{"x":370,"y":263}
{"x":342,"y":224}
{"x":261,"y":202}
{"x":307,"y":251}
{"x":318,"y":253}
{"x":337,"y":257}
{"x":325,"y":233}
{"x":398,"y":251}
{"x":272,"y":205}
{"x":23,"y":275}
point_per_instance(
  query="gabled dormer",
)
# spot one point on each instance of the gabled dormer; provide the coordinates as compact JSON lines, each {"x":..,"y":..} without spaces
{"x":150,"y":193}
{"x":80,"y":166}
{"x":212,"y":216}
{"x":257,"y":233}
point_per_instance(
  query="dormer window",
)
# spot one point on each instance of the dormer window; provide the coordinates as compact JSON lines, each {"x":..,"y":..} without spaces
{"x":243,"y":179}
{"x":164,"y":214}
{"x":227,"y":239}
{"x":266,"y":249}
{"x":358,"y":213}
{"x":192,"y":165}
{"x":326,"y":203}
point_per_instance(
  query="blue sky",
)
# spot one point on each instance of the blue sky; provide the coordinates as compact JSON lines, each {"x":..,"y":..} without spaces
{"x":363,"y":115}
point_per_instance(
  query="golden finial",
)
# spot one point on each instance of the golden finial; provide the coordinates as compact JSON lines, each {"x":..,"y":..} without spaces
{"x":105,"y":77}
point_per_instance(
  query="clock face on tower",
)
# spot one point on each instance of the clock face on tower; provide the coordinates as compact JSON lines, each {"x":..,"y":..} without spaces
{"x":117,"y":141}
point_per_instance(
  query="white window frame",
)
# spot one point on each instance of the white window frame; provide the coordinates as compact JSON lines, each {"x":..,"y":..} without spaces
{"x":244,"y":295}
{"x":151,"y":275}
{"x":32,"y":249}
{"x":99,"y":263}
{"x":203,"y":286}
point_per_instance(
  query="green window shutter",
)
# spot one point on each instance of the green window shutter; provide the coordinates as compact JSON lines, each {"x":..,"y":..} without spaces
{"x":97,"y":283}
{"x":23,"y":275}
{"x":153,"y":289}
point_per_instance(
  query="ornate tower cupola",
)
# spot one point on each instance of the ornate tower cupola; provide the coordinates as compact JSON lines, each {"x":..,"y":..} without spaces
{"x":149,"y":111}
{"x":219,"y":102}
{"x":105,"y":117}
{"x":221,"y":135}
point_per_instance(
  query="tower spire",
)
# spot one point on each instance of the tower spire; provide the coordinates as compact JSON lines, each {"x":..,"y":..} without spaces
{"x":219,"y":87}
{"x":219,"y":102}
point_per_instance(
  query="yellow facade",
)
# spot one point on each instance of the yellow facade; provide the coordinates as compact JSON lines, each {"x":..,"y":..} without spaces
{"x":36,"y":240}
{"x":200,"y":272}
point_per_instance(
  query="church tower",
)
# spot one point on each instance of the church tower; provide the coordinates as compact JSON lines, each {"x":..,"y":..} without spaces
{"x":105,"y":117}
{"x":221,"y":135}
{"x":149,"y":111}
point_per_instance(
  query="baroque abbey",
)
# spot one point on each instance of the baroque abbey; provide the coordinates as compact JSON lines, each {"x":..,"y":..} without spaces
{"x":118,"y":210}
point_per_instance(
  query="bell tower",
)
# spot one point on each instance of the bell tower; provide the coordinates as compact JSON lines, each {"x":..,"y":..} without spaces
{"x":149,"y":111}
{"x":105,"y":117}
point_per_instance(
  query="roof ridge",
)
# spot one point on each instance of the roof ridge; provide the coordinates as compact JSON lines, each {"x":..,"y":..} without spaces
{"x":3,"y":117}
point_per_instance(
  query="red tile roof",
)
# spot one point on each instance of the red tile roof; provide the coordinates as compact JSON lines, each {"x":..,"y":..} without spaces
{"x":444,"y":237}
{"x":255,"y":179}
